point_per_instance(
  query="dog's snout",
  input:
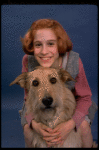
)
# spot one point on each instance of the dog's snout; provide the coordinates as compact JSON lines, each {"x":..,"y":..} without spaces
{"x":47,"y":101}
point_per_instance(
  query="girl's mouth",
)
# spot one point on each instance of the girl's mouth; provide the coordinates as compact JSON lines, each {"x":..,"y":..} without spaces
{"x":45,"y":59}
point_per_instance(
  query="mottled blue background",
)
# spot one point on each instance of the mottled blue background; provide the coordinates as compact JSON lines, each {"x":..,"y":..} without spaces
{"x":80,"y":22}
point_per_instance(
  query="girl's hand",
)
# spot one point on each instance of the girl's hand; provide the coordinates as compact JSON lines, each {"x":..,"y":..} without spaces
{"x":43,"y":130}
{"x":63,"y":129}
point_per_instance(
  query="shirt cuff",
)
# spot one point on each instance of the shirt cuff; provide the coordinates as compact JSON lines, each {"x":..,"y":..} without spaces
{"x":29,"y":118}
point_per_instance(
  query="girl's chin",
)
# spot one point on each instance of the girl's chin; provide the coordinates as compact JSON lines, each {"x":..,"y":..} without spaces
{"x":46,"y":65}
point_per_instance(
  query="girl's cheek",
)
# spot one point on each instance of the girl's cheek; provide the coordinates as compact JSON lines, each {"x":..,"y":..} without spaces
{"x":36,"y":51}
{"x":55,"y":52}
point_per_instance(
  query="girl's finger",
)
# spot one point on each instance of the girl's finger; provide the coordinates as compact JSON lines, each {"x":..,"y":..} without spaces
{"x":46,"y":128}
{"x":61,"y":143}
{"x":56,"y":140}
{"x":49,"y":138}
{"x":55,"y":130}
{"x":47,"y":134}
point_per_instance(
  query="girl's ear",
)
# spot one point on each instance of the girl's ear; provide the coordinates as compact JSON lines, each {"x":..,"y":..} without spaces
{"x":20,"y":80}
{"x":65,"y":76}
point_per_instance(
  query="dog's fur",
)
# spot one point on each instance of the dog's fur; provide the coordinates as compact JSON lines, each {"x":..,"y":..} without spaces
{"x":62,"y":107}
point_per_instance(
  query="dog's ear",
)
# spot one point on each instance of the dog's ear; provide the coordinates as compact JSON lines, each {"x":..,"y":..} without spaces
{"x":65,"y":76}
{"x":20,"y":80}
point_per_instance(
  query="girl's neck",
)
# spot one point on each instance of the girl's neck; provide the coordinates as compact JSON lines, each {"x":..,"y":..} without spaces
{"x":57,"y":63}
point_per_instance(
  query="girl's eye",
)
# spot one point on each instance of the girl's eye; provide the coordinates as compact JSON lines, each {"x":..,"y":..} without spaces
{"x":50,"y":44}
{"x":38,"y":45}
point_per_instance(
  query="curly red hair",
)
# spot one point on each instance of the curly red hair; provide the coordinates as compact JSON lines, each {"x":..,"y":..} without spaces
{"x":63,"y":40}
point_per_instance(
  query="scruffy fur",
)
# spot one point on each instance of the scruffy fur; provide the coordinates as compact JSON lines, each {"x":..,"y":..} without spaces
{"x":62,"y":107}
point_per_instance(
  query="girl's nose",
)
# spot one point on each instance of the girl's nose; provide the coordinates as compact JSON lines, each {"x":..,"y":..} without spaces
{"x":44,"y":49}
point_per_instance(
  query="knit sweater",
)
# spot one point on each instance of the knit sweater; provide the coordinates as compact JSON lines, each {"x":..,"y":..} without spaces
{"x":81,"y":92}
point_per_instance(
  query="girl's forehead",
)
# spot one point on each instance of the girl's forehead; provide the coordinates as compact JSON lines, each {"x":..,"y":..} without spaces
{"x":44,"y":34}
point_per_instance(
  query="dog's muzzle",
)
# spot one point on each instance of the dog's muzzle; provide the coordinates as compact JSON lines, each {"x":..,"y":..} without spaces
{"x":47,"y":101}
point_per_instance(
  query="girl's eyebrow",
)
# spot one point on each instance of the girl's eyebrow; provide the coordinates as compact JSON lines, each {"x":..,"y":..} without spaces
{"x":52,"y":40}
{"x":36,"y":41}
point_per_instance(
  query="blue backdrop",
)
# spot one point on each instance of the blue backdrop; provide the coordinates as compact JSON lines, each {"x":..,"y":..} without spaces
{"x":80,"y":22}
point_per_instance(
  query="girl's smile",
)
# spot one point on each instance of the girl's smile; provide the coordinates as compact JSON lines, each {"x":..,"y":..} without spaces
{"x":45,"y":59}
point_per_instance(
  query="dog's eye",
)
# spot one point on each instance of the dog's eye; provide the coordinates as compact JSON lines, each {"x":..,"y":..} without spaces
{"x":35,"y":83}
{"x":53,"y":80}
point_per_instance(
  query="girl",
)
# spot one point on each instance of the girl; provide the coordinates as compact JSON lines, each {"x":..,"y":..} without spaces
{"x":47,"y":44}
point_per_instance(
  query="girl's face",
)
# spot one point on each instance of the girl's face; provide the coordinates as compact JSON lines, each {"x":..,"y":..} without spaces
{"x":45,"y":47}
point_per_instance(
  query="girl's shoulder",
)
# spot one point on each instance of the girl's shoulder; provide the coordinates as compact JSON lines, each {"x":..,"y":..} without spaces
{"x":25,"y":59}
{"x":25,"y":63}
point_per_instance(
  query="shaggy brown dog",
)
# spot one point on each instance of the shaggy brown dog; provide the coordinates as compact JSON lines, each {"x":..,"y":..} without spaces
{"x":50,"y":101}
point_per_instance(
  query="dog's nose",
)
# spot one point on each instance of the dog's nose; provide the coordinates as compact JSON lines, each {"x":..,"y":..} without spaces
{"x":47,"y":101}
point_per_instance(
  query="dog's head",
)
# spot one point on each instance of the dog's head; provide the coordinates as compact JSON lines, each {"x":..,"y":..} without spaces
{"x":45,"y":86}
{"x":25,"y":78}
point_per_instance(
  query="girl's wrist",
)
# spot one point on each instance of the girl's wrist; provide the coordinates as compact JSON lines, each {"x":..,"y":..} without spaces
{"x":29,"y":118}
{"x":71,"y":123}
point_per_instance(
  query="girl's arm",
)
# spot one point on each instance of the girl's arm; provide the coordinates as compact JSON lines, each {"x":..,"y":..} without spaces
{"x":25,"y":63}
{"x":83,"y":96}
